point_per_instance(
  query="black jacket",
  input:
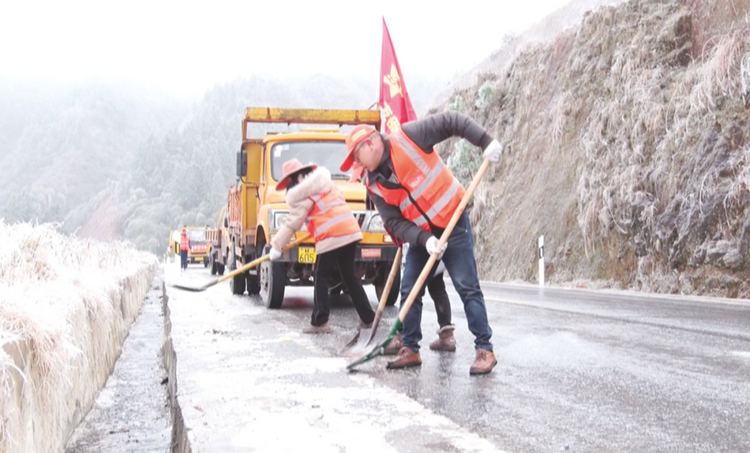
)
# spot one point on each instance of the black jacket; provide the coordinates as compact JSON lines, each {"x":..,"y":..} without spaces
{"x":425,"y":133}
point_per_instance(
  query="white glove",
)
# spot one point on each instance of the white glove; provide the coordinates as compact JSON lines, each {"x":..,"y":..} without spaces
{"x":432,"y":247}
{"x":274,"y":254}
{"x":493,"y":151}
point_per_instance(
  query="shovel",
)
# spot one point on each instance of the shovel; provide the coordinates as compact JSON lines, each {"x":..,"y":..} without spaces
{"x":358,"y":344}
{"x":378,"y":349}
{"x":247,"y":266}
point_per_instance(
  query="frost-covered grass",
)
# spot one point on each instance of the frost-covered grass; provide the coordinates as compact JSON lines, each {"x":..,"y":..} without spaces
{"x":627,"y":146}
{"x":70,"y":301}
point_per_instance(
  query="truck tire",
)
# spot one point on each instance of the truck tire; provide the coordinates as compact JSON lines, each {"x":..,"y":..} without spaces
{"x":253,"y":281}
{"x":272,"y":276}
{"x":220,"y":268}
{"x":253,"y":285}
{"x":212,"y":262}
{"x":380,"y":282}
{"x":236,"y":283}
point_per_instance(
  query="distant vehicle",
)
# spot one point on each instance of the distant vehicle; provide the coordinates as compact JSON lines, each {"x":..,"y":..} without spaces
{"x":218,"y":243}
{"x":256,"y":210}
{"x":173,"y":249}
{"x":198,"y":251}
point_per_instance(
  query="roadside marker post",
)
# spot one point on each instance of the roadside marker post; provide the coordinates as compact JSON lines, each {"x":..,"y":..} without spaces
{"x":541,"y":261}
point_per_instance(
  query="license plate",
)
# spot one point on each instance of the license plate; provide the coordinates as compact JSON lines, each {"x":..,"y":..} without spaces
{"x":370,"y":253}
{"x":306,"y":255}
{"x":198,"y":259}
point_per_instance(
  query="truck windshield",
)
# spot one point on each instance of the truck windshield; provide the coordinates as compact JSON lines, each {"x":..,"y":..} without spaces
{"x":197,"y":235}
{"x":329,"y":154}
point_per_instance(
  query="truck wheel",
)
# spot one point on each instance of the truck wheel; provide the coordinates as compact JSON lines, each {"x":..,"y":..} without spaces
{"x":395,"y":288}
{"x":212,"y":261}
{"x":253,"y":285}
{"x":272,"y":283}
{"x":220,"y":268}
{"x":236,"y":283}
{"x":253,"y":281}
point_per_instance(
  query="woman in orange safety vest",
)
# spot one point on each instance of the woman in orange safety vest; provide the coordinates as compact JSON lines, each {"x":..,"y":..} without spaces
{"x":316,"y":201}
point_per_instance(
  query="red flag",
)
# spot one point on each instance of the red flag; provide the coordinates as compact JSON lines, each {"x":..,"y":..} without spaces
{"x":394,"y":100}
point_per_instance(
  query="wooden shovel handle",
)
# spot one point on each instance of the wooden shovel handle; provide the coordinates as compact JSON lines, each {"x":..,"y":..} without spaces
{"x":443,"y":239}
{"x":391,"y":276}
{"x":263,"y":258}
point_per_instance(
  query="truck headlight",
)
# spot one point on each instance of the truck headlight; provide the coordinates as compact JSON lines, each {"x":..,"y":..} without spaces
{"x":278,"y":220}
{"x":376,"y":224}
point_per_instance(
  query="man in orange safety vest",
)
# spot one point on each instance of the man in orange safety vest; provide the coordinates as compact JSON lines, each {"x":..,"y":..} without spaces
{"x":416,"y":195}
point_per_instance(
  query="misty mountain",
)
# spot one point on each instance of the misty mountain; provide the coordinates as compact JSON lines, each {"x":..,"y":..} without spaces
{"x":183,"y":177}
{"x":60,"y":145}
{"x":113,"y":161}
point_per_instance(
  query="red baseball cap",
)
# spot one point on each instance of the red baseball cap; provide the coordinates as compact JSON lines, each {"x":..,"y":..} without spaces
{"x":355,"y":137}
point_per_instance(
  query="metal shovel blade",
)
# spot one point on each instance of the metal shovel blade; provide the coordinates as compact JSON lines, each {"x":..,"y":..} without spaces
{"x":356,"y":345}
{"x":364,"y":336}
{"x":244,"y":268}
{"x":194,"y":288}
{"x":362,"y":342}
{"x":378,"y":349}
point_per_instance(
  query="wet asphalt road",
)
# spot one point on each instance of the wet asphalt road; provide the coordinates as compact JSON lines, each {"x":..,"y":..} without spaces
{"x":579,"y":370}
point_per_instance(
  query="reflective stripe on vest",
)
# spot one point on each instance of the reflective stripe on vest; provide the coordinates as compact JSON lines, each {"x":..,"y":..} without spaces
{"x":403,"y":205}
{"x":184,"y":243}
{"x":429,"y":192}
{"x":331,"y":216}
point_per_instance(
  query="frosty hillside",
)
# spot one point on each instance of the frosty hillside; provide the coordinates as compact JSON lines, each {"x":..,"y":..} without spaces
{"x":628,"y":150}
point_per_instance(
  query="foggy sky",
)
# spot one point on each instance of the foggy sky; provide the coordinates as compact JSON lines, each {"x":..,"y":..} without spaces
{"x":186,"y":47}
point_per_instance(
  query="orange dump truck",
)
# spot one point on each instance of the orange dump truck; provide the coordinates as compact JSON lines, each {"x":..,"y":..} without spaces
{"x":256,"y":210}
{"x":218,"y":243}
{"x":198,"y":251}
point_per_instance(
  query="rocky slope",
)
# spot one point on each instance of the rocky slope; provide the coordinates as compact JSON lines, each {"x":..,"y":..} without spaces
{"x":626,"y":147}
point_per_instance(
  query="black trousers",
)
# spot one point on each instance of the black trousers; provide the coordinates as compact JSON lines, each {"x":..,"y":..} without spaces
{"x":183,"y":259}
{"x":339,"y":261}
{"x":439,"y":295}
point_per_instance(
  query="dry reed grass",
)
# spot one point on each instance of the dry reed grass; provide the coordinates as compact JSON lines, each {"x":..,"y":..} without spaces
{"x":62,"y":296}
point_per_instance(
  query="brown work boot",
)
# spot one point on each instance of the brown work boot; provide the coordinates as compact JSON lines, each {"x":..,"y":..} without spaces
{"x":446,"y":341}
{"x":405,"y":358}
{"x":484,"y":363}
{"x":313,"y":329}
{"x":394,"y":346}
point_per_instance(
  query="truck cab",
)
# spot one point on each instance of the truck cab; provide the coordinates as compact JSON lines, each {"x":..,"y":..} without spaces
{"x":198,"y":251}
{"x":257,"y":210}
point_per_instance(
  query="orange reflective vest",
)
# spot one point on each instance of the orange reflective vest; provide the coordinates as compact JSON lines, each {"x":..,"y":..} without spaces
{"x":184,"y":242}
{"x":331,"y":216}
{"x":428,"y":193}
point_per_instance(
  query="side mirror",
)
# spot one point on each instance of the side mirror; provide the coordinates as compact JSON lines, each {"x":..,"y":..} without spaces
{"x":241,"y":163}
